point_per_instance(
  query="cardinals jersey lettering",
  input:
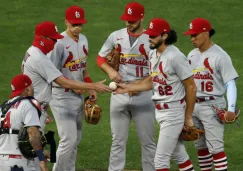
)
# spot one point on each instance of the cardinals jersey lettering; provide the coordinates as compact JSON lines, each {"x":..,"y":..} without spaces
{"x":41,"y":71}
{"x":22,"y":112}
{"x":212,"y":69}
{"x":168,"y":72}
{"x":134,"y":60}
{"x":70,"y":56}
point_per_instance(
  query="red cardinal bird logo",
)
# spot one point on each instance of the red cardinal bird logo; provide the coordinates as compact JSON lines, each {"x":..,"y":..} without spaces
{"x":69,"y":59}
{"x":143,"y":51}
{"x":161,"y":70}
{"x":85,"y":50}
{"x":118,"y":47}
{"x":206,"y":64}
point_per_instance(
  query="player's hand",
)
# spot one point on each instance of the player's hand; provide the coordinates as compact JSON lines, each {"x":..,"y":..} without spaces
{"x":79,"y":91}
{"x":43,"y":166}
{"x":115,"y":76}
{"x":189,"y":122}
{"x":47,"y":155}
{"x":101,"y":87}
{"x":121,"y":88}
{"x":48,"y":119}
{"x":92,"y":95}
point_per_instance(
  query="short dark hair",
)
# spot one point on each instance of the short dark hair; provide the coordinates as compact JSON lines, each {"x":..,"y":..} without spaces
{"x":172,"y":37}
{"x":211,"y":32}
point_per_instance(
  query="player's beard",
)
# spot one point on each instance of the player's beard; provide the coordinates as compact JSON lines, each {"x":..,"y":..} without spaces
{"x":156,"y":45}
{"x":135,"y":28}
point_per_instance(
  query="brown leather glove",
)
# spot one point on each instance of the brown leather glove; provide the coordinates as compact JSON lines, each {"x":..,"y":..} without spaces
{"x":92,"y":111}
{"x":191,"y":133}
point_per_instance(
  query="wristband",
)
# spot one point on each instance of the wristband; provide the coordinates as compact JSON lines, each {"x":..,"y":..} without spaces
{"x":87,"y":80}
{"x":40,"y":155}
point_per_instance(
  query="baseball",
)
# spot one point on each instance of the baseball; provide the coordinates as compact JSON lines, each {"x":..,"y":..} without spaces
{"x":113,"y":85}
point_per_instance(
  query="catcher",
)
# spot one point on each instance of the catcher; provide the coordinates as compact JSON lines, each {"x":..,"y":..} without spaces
{"x":19,"y":121}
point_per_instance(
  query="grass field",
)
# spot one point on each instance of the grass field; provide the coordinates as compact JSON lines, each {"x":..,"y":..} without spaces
{"x":19,"y":17}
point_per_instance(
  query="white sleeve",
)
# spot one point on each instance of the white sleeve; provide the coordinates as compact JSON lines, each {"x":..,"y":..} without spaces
{"x":182,"y":68}
{"x":47,"y":70}
{"x":30,"y":114}
{"x":226,"y":68}
{"x":231,"y":95}
{"x":108,"y":45}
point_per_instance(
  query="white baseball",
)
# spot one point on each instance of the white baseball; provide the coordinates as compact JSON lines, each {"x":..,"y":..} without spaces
{"x":113,"y":85}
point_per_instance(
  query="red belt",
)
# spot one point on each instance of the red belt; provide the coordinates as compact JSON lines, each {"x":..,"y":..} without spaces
{"x":12,"y":156}
{"x":204,"y":99}
{"x":160,"y":106}
{"x":65,"y":89}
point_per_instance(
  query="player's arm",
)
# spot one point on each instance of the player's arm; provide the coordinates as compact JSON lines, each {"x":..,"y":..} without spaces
{"x":183,"y":69}
{"x":191,"y":90}
{"x":101,"y":59}
{"x":228,"y":75}
{"x":231,"y":95}
{"x":143,"y":85}
{"x":73,"y":84}
{"x":32,"y":122}
{"x":87,"y":79}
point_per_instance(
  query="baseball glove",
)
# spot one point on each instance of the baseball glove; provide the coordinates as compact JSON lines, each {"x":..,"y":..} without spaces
{"x":24,"y":144}
{"x":226,"y":117}
{"x":92,"y":111}
{"x":191,"y":133}
{"x":113,"y":58}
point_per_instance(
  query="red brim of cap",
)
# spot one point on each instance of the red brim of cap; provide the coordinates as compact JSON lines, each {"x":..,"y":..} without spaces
{"x":57,"y":36}
{"x":191,"y":32}
{"x":151,"y":33}
{"x":82,"y":21}
{"x":16,"y":93}
{"x":126,"y":17}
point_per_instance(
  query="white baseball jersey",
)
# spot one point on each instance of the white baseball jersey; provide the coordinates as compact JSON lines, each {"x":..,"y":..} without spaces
{"x":134,"y":63}
{"x":168,"y":71}
{"x":212,"y":69}
{"x":70,"y":56}
{"x":41,"y":71}
{"x":23,"y":112}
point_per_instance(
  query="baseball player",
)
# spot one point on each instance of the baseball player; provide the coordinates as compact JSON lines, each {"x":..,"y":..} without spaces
{"x":69,"y":56}
{"x":21,"y":112}
{"x":172,"y":83}
{"x":43,"y":72}
{"x":213,"y":74}
{"x":134,"y":66}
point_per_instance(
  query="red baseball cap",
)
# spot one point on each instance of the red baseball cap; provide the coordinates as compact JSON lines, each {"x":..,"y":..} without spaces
{"x":75,"y":15}
{"x":133,"y":12}
{"x":157,"y":26}
{"x":48,"y":29}
{"x":19,"y":83}
{"x":198,"y":25}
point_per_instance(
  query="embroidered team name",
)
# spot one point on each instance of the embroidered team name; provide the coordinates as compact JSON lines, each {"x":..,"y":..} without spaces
{"x":159,"y":80}
{"x":134,"y":61}
{"x":69,"y":64}
{"x":201,"y":76}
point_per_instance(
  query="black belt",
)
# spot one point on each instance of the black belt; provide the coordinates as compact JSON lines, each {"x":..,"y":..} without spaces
{"x":204,"y":99}
{"x":8,"y":131}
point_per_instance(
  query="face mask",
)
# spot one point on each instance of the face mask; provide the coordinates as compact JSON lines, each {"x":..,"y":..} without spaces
{"x":44,"y":44}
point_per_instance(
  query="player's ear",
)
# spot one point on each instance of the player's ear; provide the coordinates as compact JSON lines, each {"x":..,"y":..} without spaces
{"x":66,"y":22}
{"x":142,"y":19}
{"x":164,"y":36}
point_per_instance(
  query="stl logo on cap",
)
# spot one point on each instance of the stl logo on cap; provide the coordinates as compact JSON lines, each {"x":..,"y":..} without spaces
{"x":42,"y":43}
{"x":191,"y":26}
{"x":12,"y":87}
{"x":129,"y":11}
{"x":77,"y":14}
{"x":56,"y":29}
{"x":151,"y":25}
